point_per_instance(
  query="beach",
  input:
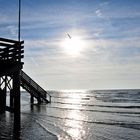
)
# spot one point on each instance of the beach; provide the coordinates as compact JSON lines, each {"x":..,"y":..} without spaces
{"x":80,"y":115}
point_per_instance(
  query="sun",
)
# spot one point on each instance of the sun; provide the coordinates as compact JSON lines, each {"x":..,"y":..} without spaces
{"x":73,"y":46}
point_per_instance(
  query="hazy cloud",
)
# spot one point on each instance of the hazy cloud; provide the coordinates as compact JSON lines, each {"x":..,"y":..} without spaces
{"x":109,"y":29}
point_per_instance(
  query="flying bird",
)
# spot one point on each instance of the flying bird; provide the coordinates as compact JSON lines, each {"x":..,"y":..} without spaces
{"x":69,"y":36}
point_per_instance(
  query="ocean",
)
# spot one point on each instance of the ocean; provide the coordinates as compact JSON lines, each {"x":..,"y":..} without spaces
{"x":79,"y":115}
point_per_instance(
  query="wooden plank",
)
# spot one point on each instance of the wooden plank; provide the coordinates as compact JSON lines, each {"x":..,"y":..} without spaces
{"x":16,"y":49}
{"x":11,"y":57}
{"x":10,"y":44}
{"x":6,"y":44}
{"x":11,"y":50}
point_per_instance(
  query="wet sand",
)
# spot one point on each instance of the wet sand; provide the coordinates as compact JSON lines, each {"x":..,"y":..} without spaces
{"x":34,"y":131}
{"x":30,"y":130}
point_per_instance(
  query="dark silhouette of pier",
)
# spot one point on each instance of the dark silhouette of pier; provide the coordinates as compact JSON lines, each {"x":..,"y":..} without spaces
{"x":12,"y":77}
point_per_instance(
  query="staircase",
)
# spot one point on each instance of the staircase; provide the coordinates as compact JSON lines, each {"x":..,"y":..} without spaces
{"x":33,"y":88}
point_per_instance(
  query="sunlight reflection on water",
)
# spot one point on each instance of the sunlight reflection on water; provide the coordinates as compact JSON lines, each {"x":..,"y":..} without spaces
{"x":76,"y":130}
{"x":75,"y":115}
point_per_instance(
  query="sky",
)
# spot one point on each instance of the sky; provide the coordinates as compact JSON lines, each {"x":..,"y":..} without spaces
{"x":77,"y":44}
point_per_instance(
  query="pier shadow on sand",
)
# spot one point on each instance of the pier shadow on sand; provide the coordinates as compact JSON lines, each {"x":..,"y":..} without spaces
{"x":28,"y":129}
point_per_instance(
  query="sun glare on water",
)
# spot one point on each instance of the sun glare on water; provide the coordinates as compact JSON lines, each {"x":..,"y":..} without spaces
{"x":73,"y":46}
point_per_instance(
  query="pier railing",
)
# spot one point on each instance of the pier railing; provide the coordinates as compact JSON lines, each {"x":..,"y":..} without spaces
{"x":11,"y":53}
{"x":11,"y":50}
{"x":31,"y":86}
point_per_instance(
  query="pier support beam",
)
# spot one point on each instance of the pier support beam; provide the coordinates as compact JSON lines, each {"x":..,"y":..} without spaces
{"x":32,"y":99}
{"x":2,"y":100}
{"x":16,"y":92}
{"x":11,"y":99}
{"x":39,"y":101}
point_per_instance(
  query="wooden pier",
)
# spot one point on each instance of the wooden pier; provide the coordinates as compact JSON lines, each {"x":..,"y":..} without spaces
{"x":12,"y":77}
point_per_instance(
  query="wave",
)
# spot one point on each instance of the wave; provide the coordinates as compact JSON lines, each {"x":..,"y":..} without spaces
{"x":66,"y":97}
{"x":94,"y":110}
{"x":120,"y":124}
{"x":52,"y":136}
{"x":132,"y":125}
{"x":55,"y":129}
{"x":109,"y":106}
{"x":104,"y":96}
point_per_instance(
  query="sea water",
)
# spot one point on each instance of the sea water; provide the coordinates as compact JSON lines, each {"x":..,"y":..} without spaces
{"x":79,"y":115}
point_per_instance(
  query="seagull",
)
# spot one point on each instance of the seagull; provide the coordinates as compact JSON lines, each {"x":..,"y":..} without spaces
{"x":69,"y":36}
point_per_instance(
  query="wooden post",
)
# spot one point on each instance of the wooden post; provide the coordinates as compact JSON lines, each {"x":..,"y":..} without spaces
{"x":16,"y":92}
{"x":39,"y":100}
{"x":2,"y":100}
{"x":32,"y":99}
{"x":11,"y":98}
{"x":50,"y":99}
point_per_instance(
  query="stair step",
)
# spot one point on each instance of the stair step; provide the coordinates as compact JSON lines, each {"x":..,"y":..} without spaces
{"x":33,"y":88}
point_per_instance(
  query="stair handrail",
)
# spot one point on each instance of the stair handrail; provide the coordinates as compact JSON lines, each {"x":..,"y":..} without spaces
{"x":35,"y":85}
